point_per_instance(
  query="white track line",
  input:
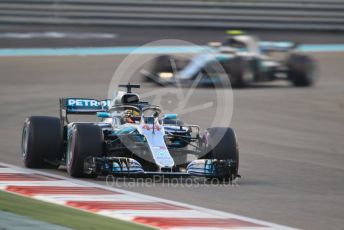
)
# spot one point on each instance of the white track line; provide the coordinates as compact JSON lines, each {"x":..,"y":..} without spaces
{"x":58,"y":35}
{"x":4,"y":184}
{"x":62,"y":199}
{"x":130,"y":214}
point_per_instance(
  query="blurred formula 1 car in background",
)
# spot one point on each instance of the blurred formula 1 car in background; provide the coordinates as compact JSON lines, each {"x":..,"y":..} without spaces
{"x":132,"y":138}
{"x":244,"y":59}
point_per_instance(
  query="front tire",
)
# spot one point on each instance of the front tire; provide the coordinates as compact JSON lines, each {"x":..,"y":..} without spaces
{"x":165,"y":63}
{"x":301,"y":70}
{"x":86,"y":140}
{"x":41,"y":141}
{"x":222,"y":145}
{"x":237,"y":69}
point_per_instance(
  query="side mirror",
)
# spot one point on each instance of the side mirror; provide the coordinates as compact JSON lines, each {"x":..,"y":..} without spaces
{"x":103,"y":114}
{"x":170,"y":116}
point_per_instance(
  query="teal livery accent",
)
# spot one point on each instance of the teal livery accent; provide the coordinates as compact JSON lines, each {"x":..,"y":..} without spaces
{"x":170,"y":116}
{"x":125,"y":130}
{"x":103,"y":114}
{"x":91,"y":51}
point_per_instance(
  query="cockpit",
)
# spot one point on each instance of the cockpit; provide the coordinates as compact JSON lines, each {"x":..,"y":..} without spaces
{"x":135,"y":114}
{"x":128,"y":108}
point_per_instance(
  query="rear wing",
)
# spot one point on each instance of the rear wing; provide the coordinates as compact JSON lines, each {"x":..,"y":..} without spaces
{"x":82,"y":106}
{"x":268,"y":46}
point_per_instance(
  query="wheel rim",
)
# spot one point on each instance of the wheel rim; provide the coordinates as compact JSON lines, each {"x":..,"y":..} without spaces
{"x":311,"y":73}
{"x":248,"y":75}
{"x":70,"y":150}
{"x":25,"y":141}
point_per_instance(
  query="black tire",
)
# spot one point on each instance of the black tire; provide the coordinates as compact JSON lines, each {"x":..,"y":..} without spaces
{"x":163,"y":64}
{"x":223,"y":145}
{"x":236,"y":68}
{"x":160,"y":64}
{"x":86,"y":140}
{"x":42,"y":141}
{"x":301,"y":70}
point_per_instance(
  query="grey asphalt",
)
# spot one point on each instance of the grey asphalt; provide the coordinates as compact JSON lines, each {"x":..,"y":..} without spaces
{"x":291,"y":139}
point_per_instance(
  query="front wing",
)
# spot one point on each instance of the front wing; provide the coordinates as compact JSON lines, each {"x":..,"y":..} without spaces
{"x":123,"y":166}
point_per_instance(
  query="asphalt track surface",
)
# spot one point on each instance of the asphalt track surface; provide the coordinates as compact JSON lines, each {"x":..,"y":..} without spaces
{"x":291,"y":139}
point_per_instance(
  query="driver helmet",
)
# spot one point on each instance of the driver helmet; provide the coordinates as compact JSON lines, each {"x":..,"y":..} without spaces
{"x":128,"y":117}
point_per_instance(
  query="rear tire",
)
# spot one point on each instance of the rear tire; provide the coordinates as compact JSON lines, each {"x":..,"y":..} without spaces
{"x":42,"y":141}
{"x":302,"y":70}
{"x":222,"y":145}
{"x":86,"y":140}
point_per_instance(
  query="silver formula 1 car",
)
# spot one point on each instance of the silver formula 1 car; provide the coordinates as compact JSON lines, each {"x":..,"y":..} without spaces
{"x":244,"y":60}
{"x":131,"y":138}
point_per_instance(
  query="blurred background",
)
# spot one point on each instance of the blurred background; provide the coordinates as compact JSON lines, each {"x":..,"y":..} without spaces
{"x":137,"y":22}
{"x":291,"y":138}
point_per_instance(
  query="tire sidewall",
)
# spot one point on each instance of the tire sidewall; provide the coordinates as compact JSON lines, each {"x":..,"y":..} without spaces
{"x":302,"y":69}
{"x":221,"y":144}
{"x":41,"y":141}
{"x":83,"y":141}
